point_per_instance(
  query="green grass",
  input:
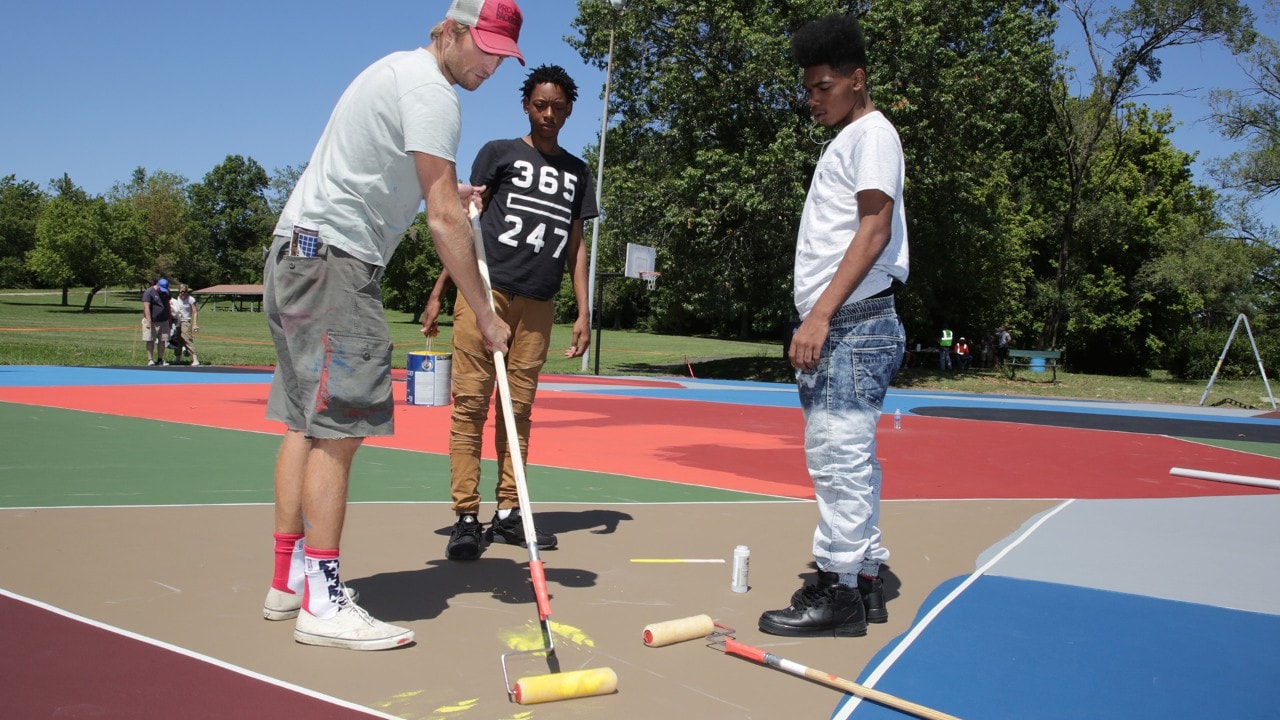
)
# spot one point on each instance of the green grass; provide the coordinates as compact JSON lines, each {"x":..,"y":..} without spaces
{"x":36,"y":329}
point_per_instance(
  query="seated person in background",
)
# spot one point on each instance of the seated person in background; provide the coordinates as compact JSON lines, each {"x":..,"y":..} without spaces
{"x":963,"y":356}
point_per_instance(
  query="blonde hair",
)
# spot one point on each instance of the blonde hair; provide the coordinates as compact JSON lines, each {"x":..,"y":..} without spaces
{"x":458,"y":30}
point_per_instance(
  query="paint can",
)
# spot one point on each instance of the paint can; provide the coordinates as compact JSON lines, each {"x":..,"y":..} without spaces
{"x":427,"y":380}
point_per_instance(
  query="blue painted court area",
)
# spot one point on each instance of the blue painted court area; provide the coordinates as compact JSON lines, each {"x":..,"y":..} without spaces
{"x":63,"y":376}
{"x":1016,"y":649}
{"x":1103,"y":609}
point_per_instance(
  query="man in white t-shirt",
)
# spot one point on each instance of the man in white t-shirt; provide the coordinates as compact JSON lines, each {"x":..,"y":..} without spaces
{"x":851,"y":258}
{"x":389,"y":144}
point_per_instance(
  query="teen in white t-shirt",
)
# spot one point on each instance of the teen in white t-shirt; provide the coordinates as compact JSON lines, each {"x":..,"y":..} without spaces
{"x":851,"y":257}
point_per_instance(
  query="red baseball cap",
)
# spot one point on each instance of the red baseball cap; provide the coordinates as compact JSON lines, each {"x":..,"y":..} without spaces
{"x":495,"y":24}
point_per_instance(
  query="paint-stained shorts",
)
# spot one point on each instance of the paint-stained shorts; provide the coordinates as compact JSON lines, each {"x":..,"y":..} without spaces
{"x":333,"y":349}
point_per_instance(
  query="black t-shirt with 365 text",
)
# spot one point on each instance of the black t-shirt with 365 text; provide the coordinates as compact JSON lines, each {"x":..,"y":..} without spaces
{"x":534,"y":199}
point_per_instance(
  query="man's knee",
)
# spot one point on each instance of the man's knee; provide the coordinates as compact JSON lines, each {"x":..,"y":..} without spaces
{"x":471,"y":407}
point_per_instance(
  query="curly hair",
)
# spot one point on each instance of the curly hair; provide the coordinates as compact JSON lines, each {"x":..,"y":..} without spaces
{"x":553,"y":74}
{"x":835,"y":40}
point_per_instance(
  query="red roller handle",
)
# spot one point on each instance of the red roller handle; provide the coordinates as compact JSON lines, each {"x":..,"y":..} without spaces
{"x":540,"y":589}
{"x":743,"y":650}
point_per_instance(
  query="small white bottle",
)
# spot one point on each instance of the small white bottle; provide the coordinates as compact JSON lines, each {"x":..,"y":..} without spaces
{"x":741,"y":564}
{"x":897,"y":419}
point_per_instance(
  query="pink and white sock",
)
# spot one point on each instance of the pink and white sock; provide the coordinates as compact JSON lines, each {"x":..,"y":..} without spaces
{"x":288,"y":576}
{"x":323,"y":594}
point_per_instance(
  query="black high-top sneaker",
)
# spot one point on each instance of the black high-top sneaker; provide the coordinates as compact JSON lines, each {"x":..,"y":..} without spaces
{"x":871,"y":590}
{"x":832,"y":609}
{"x":464,"y":540}
{"x":511,"y":531}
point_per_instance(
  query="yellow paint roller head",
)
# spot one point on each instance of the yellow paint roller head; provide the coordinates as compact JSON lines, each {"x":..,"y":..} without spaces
{"x":674,"y":631}
{"x":563,"y":686}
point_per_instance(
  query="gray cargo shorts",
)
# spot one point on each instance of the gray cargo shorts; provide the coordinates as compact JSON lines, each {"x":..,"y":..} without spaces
{"x":333,"y":348}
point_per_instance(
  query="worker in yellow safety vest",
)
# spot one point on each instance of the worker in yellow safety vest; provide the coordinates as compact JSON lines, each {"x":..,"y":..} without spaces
{"x":944,"y":349}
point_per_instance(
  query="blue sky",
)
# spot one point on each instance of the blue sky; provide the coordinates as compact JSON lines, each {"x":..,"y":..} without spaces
{"x":96,"y":89}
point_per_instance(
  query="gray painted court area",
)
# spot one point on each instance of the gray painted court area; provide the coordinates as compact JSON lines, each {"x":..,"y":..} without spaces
{"x":1222,"y":551}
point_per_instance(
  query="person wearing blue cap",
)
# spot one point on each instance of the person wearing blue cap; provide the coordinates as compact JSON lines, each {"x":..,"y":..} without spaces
{"x":155,"y":321}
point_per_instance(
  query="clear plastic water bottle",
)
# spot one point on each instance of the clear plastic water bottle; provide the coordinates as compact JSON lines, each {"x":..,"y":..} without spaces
{"x":897,"y":419}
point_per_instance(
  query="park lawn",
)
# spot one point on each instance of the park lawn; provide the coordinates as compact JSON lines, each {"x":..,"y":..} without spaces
{"x":37,"y":329}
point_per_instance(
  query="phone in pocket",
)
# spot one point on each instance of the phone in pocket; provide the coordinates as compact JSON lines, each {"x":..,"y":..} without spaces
{"x":306,"y":240}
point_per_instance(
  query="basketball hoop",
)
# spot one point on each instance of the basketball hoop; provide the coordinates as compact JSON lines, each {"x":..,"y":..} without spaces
{"x":650,"y":279}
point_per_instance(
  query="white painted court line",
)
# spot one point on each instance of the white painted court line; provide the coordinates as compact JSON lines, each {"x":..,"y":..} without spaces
{"x":198,"y":656}
{"x":847,"y":709}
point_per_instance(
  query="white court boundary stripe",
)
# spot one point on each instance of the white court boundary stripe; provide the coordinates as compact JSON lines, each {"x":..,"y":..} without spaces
{"x":197,"y":656}
{"x":844,"y":712}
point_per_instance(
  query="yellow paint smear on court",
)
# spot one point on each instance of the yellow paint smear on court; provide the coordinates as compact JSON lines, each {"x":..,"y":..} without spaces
{"x":398,"y":699}
{"x":461,"y":707}
{"x":529,"y":637}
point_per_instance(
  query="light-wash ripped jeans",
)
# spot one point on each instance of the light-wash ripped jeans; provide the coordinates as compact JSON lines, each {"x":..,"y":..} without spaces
{"x":842,"y":400}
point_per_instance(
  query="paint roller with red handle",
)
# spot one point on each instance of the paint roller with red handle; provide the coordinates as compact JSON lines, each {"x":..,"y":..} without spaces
{"x":671,"y":632}
{"x":733,"y":647}
{"x":555,"y":685}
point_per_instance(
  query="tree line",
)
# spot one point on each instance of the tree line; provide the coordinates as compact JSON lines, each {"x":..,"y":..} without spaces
{"x":1066,"y":215}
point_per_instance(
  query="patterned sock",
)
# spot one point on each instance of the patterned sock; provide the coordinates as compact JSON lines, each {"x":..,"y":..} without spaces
{"x":323,"y":593}
{"x":288,"y":573}
{"x":849,"y":580}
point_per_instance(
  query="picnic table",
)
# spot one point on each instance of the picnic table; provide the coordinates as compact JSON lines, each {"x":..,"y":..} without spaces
{"x":1035,"y":360}
{"x":236,"y":297}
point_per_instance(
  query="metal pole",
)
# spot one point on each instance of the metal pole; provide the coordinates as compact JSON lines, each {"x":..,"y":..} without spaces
{"x":1221,"y":358}
{"x":595,"y":226}
{"x":600,"y":315}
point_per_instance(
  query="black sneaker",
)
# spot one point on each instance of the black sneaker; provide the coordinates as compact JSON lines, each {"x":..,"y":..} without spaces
{"x":511,"y":531}
{"x":464,"y":541}
{"x":870,"y":588}
{"x":818,"y":610}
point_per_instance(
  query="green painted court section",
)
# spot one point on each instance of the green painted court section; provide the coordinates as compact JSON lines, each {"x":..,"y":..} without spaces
{"x":59,"y":458}
{"x":1256,"y":448}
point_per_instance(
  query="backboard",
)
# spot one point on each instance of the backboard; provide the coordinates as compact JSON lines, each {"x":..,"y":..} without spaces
{"x":640,"y":258}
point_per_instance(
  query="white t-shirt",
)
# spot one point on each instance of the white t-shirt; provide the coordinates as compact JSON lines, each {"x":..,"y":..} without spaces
{"x":866,"y":155}
{"x":181,"y":309}
{"x":361,"y":185}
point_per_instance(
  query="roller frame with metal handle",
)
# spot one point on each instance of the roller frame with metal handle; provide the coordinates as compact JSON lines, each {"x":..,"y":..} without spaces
{"x":536,"y":572}
{"x":733,"y":647}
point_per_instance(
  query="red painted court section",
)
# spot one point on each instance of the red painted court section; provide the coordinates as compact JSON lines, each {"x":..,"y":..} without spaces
{"x":747,"y":448}
{"x":84,"y":686}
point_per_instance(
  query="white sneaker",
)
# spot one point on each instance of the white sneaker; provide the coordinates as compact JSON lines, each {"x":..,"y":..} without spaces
{"x":195,"y":362}
{"x":281,"y":605}
{"x":164,"y":363}
{"x":150,"y":363}
{"x":351,"y":629}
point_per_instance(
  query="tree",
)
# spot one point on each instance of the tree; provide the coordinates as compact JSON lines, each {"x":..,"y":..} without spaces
{"x":413,"y":271}
{"x":92,"y":242}
{"x":1139,"y":33}
{"x":229,"y":207}
{"x":171,"y":247}
{"x":1123,"y":313}
{"x":963,"y":82}
{"x":714,"y":148}
{"x":709,"y":158}
{"x":283,"y":181}
{"x":20,"y":203}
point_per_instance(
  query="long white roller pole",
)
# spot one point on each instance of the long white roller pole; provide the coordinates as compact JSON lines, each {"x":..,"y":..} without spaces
{"x":1224,"y":477}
